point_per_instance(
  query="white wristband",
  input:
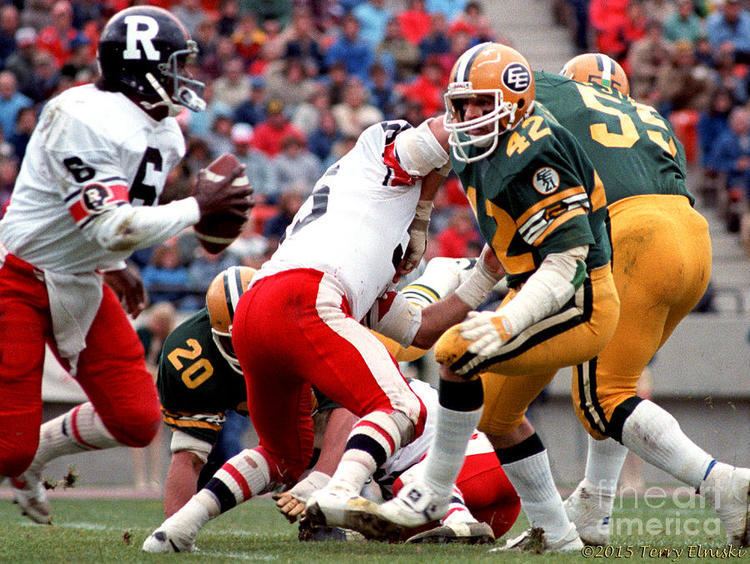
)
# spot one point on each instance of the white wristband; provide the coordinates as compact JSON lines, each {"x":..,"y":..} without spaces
{"x":477,"y":286}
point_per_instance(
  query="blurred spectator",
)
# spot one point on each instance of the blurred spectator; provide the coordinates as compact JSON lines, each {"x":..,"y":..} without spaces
{"x":373,"y":18}
{"x":661,"y":10}
{"x":289,"y":204}
{"x":198,"y":154}
{"x":340,"y":148}
{"x":307,"y":116}
{"x":301,"y":39}
{"x":36,"y":14}
{"x":436,"y":42}
{"x":286,"y":80}
{"x":57,"y":38}
{"x":253,"y":110}
{"x":427,"y":89}
{"x":713,"y":123}
{"x":404,"y":54}
{"x":730,"y":25}
{"x":205,"y":267}
{"x":683,"y":24}
{"x":336,"y":82}
{"x":411,"y":112}
{"x":233,"y":86}
{"x":248,"y":38}
{"x":732,"y":153}
{"x":726,"y":75}
{"x":269,"y":134}
{"x":46,"y":78}
{"x":454,"y":241}
{"x":472,"y":20}
{"x":265,"y":10}
{"x":608,"y":18}
{"x":165,"y":278}
{"x":79,"y":66}
{"x":414,"y":22}
{"x":9,"y":21}
{"x":451,"y":9}
{"x":207,"y":37}
{"x":8,"y":173}
{"x":25,"y":124}
{"x":86,"y":12}
{"x":259,"y":167}
{"x":190,"y":13}
{"x":199,"y":123}
{"x":351,"y":49}
{"x":250,"y":247}
{"x":21,"y":62}
{"x":228,"y":17}
{"x":218,"y":138}
{"x":11,"y":102}
{"x":215,"y":61}
{"x":684,"y":85}
{"x":645,"y":60}
{"x":321,"y":140}
{"x":354,"y":114}
{"x":296,"y":165}
{"x":161,"y":319}
{"x":382,"y":92}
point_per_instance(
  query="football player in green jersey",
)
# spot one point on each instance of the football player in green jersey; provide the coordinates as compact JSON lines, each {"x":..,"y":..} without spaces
{"x":541,"y":206}
{"x":661,"y":261}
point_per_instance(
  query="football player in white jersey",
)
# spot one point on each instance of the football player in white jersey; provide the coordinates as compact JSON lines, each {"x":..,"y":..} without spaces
{"x":300,"y":322}
{"x":84,"y":200}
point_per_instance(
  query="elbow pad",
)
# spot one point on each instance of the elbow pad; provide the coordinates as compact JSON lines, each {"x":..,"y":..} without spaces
{"x":547,"y":290}
{"x":419,"y":152}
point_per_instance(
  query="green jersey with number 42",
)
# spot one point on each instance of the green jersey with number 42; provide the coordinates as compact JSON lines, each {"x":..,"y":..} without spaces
{"x":536,"y":194}
{"x":632,"y":147}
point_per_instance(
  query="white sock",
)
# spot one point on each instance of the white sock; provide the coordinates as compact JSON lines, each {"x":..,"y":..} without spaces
{"x":532,"y":479}
{"x":192,"y":516}
{"x":603,"y":465}
{"x":654,"y":435}
{"x":79,"y":430}
{"x":243,"y":476}
{"x":445,"y":458}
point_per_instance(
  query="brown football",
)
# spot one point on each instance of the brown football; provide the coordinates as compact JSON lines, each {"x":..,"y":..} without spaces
{"x":217,"y":231}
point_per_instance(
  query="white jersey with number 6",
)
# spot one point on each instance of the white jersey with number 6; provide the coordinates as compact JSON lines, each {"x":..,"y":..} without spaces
{"x":354,"y":224}
{"x":92,"y":152}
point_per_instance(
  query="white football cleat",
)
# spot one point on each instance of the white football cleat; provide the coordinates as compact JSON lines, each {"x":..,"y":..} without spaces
{"x":535,"y":541}
{"x":338,"y":507}
{"x":463,"y":533}
{"x":416,"y":504}
{"x":31,"y":496}
{"x":590,"y":514}
{"x":164,"y":540}
{"x":728,"y":490}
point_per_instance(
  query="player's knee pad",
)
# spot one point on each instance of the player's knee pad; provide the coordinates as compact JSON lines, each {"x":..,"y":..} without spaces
{"x":398,"y":426}
{"x":450,"y":347}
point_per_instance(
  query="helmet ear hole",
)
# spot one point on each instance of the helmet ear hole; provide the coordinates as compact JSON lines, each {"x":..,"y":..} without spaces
{"x":521,"y":103}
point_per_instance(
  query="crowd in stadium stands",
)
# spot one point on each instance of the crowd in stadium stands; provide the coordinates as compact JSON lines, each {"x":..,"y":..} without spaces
{"x":690,"y":59}
{"x":291,"y":84}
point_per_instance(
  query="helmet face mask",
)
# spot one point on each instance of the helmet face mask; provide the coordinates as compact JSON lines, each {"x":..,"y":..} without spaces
{"x":500,"y":76}
{"x":142,"y":53}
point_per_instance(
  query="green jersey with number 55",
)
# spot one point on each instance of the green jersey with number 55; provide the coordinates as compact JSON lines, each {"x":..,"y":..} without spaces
{"x":632,"y":147}
{"x":196,"y":384}
{"x":536,"y":194}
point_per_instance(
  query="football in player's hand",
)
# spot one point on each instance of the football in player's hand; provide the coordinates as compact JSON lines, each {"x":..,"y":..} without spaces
{"x":216,"y":231}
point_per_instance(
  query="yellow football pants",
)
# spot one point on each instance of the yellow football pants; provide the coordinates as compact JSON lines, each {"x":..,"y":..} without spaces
{"x":661,"y":260}
{"x":527,"y":363}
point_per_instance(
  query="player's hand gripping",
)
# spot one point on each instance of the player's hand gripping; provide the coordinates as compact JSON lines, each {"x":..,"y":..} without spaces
{"x":488,"y":331}
{"x":291,"y":503}
{"x":222,"y":196}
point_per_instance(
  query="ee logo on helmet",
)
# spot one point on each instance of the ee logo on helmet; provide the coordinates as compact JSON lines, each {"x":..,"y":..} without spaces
{"x":141,"y":29}
{"x":516,"y":77}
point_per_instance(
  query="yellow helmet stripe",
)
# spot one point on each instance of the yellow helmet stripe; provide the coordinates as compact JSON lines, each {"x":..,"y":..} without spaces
{"x":463,"y":69}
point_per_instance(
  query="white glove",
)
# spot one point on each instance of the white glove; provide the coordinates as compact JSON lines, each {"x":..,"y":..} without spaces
{"x":291,"y":503}
{"x":488,"y":331}
{"x":417,"y":238}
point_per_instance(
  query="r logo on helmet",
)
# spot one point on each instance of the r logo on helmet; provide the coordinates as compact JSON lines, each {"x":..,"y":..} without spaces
{"x":516,"y":77}
{"x":141,"y":29}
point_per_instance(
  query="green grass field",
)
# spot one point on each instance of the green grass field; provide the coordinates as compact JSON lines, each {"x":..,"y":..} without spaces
{"x":113,"y":531}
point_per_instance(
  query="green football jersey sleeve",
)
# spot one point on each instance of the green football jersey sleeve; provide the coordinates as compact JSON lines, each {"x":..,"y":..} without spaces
{"x":537,"y":194}
{"x":633,"y":148}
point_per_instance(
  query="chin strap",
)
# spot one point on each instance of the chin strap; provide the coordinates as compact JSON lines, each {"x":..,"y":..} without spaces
{"x":174,"y":109}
